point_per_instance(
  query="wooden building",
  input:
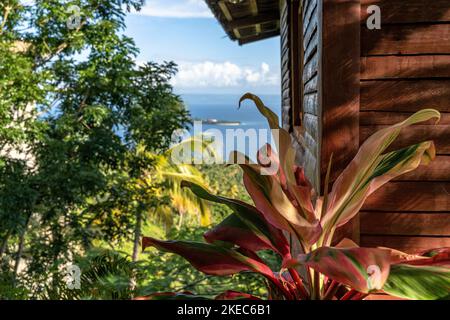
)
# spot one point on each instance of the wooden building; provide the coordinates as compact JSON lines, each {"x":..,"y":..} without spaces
{"x":342,"y":81}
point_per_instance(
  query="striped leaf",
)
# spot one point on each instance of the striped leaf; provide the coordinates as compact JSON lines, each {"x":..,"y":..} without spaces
{"x":284,"y":143}
{"x":370,"y":169}
{"x":246,"y":228}
{"x":216,"y":260}
{"x":285,"y":162}
{"x":434,"y":257}
{"x":277,"y":208}
{"x":209,"y":259}
{"x":363,"y":269}
{"x":418,"y":282}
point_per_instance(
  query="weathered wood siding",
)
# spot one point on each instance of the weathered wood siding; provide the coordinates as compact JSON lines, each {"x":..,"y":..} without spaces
{"x":405,"y":67}
{"x":300,"y":92}
{"x":285,"y":67}
{"x":310,"y":129}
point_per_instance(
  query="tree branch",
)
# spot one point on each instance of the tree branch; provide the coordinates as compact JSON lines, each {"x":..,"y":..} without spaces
{"x":5,"y":18}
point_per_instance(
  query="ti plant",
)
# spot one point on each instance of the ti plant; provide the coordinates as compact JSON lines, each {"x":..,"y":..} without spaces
{"x":285,"y":203}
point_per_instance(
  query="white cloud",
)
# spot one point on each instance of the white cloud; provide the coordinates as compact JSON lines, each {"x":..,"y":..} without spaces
{"x":223,"y":75}
{"x":176,"y":9}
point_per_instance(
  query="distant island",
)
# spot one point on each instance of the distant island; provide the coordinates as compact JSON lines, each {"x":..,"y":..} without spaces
{"x":219,"y":122}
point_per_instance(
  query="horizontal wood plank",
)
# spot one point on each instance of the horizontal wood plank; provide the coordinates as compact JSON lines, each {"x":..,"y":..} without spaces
{"x":440,"y":134}
{"x":306,"y":159}
{"x":311,"y":85}
{"x":408,"y":11}
{"x":410,"y":196}
{"x":370,"y":118}
{"x":437,"y":170}
{"x":311,"y":104}
{"x":406,"y":39}
{"x":311,"y":124}
{"x":406,"y":244}
{"x":405,"y":223}
{"x":310,"y":32}
{"x":305,"y":7}
{"x":405,"y":96}
{"x":310,"y":68}
{"x":310,"y":142}
{"x":309,"y":12}
{"x":405,"y":67}
{"x":312,"y":48}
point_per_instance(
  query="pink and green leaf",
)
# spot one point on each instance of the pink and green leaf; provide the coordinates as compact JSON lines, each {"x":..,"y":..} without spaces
{"x":233,"y":230}
{"x":216,"y":260}
{"x":284,"y":143}
{"x":246,"y":228}
{"x":280,"y":212}
{"x":434,"y":257}
{"x":418,"y":282}
{"x":360,"y":180}
{"x":209,"y":259}
{"x":363,"y":269}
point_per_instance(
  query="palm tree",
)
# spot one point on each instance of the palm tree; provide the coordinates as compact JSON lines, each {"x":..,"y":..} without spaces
{"x":169,"y":173}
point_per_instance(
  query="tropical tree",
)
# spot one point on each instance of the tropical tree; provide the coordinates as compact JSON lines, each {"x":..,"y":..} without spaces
{"x":75,"y":109}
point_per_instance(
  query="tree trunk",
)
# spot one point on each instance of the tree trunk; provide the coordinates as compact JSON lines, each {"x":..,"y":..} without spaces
{"x":137,"y":236}
{"x":20,"y":249}
{"x":4,"y":244}
{"x":136,"y":247}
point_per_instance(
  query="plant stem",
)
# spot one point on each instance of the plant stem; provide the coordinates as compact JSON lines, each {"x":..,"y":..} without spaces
{"x":359,"y":296}
{"x":350,"y":294}
{"x":299,"y":284}
{"x":316,"y":285}
{"x":331,"y":290}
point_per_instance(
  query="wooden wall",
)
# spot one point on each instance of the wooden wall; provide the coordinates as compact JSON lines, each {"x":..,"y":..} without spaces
{"x":285,"y":66}
{"x":356,"y":81}
{"x":300,"y":93}
{"x":311,"y":112}
{"x":405,"y":67}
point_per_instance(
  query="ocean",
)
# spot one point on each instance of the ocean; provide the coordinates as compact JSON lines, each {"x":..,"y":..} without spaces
{"x":224,"y":107}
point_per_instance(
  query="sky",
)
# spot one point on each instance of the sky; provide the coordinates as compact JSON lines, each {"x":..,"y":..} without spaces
{"x":185,"y":31}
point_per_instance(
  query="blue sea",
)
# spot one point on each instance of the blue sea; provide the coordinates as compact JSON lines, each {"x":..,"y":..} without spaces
{"x":224,"y":107}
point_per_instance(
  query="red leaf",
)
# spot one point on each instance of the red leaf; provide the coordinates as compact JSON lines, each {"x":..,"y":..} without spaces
{"x":246,"y":227}
{"x":215,"y":260}
{"x":363,"y":269}
{"x":434,"y":257}
{"x":210,"y":259}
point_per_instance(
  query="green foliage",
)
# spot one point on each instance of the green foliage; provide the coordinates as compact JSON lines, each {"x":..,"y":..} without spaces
{"x":169,"y":272}
{"x":104,"y":275}
{"x":225,"y":182}
{"x":81,"y":126}
{"x":284,"y":200}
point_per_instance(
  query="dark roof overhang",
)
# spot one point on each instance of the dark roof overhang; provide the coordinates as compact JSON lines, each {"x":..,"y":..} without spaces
{"x":247,"y":21}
